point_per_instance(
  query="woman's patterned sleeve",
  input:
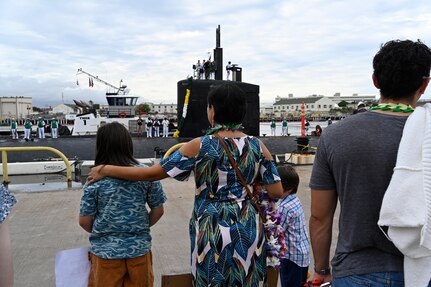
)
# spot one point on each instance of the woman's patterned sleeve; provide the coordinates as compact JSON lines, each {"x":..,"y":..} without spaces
{"x":178,"y":165}
{"x":88,"y":200}
{"x":7,"y":200}
{"x":268,"y":172}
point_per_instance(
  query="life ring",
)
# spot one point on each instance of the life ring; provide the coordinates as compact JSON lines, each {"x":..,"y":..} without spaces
{"x":122,"y":114}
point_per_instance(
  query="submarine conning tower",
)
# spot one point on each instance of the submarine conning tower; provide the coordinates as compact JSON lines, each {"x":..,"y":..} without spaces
{"x":195,"y":123}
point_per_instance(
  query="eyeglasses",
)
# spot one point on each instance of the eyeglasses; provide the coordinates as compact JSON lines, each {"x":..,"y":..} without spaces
{"x":426,"y":78}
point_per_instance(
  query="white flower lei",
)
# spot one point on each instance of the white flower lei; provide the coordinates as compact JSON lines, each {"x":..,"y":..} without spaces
{"x":276,"y":246}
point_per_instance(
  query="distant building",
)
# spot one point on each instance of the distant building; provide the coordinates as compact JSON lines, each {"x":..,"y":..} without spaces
{"x":65,"y":109}
{"x":45,"y":110}
{"x":353,"y":99}
{"x":266,"y":110}
{"x":291,"y":105}
{"x":15,"y":107}
{"x":163,"y":108}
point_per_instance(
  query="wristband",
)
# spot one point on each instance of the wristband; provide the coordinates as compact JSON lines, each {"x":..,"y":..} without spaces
{"x":325,"y":271}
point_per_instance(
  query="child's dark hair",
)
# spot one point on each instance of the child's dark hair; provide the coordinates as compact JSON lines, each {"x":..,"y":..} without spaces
{"x":289,"y":178}
{"x":114,"y":145}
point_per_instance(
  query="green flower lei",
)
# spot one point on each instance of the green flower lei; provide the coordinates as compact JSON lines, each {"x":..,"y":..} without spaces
{"x":218,"y":127}
{"x":393,"y":108}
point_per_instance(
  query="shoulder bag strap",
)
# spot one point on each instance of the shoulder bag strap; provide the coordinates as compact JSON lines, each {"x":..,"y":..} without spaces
{"x":241,"y":178}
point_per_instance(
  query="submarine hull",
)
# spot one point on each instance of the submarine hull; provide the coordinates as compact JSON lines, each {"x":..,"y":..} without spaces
{"x":196,"y":122}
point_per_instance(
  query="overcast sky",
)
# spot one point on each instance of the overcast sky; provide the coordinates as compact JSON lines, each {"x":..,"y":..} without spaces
{"x":299,"y":47}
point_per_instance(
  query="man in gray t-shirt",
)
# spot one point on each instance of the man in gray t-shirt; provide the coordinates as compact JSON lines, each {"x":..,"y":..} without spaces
{"x":354,"y":164}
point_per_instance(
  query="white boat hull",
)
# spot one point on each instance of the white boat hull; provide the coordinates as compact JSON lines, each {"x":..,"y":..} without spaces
{"x":37,"y":167}
{"x":89,"y":124}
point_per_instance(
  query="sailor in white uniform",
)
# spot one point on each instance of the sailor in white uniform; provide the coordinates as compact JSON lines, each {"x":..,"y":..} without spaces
{"x":199,"y":69}
{"x":165,"y":124}
{"x":228,"y":69}
{"x":149,"y":124}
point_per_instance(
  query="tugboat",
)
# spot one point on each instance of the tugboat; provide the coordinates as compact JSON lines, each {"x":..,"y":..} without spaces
{"x":121,"y":108}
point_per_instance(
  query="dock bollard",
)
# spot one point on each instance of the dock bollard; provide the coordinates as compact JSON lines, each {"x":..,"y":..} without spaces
{"x":302,"y":144}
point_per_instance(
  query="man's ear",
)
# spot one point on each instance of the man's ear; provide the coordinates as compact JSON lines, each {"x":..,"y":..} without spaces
{"x":424,"y":85}
{"x":375,"y":81}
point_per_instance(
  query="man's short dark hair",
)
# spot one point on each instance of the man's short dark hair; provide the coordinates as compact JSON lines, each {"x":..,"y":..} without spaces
{"x":400,"y":68}
{"x":228,"y":101}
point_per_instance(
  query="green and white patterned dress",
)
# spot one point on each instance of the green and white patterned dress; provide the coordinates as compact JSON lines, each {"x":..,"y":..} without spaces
{"x":226,"y":232}
{"x":7,"y":201}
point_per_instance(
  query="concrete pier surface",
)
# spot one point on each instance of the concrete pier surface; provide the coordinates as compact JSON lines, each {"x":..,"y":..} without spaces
{"x":44,"y":223}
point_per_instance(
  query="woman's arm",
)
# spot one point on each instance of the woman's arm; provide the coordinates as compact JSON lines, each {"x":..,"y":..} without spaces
{"x":191,"y":149}
{"x":274,"y":190}
{"x":6,"y":261}
{"x":136,"y":173}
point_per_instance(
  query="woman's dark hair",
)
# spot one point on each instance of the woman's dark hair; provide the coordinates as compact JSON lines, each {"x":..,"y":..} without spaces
{"x":289,"y":178}
{"x":114,"y":145}
{"x":229,"y":104}
{"x":400,"y":66}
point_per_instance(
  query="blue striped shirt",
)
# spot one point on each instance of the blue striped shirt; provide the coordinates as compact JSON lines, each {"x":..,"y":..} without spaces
{"x":121,"y":227}
{"x":295,"y":230}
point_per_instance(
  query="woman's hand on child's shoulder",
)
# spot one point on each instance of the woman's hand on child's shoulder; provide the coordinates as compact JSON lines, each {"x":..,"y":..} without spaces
{"x":95,"y":174}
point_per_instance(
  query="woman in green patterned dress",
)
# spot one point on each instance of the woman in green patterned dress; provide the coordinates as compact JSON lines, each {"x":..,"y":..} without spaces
{"x":7,"y":201}
{"x":226,"y":230}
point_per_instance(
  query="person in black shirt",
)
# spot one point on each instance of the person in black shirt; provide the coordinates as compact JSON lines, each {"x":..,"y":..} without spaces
{"x":140,"y":124}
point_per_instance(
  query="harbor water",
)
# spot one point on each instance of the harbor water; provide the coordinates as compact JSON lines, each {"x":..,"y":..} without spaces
{"x":294,"y":128}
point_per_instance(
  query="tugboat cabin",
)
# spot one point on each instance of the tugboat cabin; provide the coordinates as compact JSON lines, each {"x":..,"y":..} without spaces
{"x":121,"y":106}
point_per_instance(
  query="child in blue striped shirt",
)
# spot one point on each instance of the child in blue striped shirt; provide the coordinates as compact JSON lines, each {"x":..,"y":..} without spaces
{"x":294,"y":265}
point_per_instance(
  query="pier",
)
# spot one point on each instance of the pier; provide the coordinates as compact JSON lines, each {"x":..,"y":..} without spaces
{"x":44,"y":223}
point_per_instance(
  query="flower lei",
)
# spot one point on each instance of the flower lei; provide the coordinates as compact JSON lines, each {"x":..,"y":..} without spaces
{"x":182,"y":119}
{"x":393,"y":107}
{"x":276,"y":246}
{"x":230,"y":127}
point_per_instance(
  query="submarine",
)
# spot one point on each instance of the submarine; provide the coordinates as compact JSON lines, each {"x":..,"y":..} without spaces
{"x":192,"y":95}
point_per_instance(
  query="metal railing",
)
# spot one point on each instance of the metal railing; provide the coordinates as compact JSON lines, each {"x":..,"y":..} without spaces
{"x":5,"y":150}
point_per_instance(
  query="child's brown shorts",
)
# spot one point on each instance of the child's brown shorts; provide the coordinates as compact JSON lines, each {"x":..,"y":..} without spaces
{"x":132,"y":272}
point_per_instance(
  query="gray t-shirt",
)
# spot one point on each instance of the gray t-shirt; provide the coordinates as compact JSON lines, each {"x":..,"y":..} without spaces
{"x":356,"y":157}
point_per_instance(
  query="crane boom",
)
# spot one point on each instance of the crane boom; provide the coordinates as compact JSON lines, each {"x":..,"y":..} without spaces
{"x":121,"y":90}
